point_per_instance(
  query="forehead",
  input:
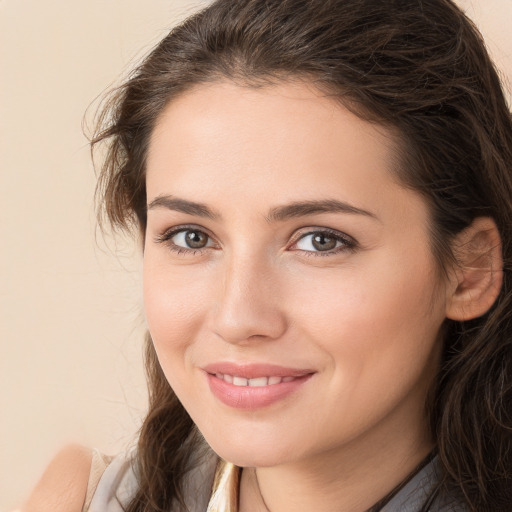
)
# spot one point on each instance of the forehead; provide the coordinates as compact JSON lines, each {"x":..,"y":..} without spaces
{"x":219,"y":109}
{"x":287,"y":140}
{"x":289,"y":121}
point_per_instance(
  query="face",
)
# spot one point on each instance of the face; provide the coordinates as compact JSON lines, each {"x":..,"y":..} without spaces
{"x":289,"y":285}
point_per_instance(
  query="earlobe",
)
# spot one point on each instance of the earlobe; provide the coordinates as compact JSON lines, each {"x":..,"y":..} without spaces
{"x":478,"y":276}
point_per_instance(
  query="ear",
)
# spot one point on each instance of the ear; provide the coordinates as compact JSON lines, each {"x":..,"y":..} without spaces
{"x":477,"y":277}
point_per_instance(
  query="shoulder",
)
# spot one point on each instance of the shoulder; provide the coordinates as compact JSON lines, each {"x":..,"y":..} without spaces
{"x":63,"y":485}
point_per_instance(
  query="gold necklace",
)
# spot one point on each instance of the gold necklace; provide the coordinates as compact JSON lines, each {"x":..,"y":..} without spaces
{"x":225,"y":490}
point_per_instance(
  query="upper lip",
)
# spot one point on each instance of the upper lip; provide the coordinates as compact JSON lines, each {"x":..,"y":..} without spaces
{"x":254,"y":370}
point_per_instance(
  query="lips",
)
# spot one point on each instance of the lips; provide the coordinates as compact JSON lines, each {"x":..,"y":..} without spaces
{"x":253,"y":386}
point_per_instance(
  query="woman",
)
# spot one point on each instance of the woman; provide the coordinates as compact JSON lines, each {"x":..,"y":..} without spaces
{"x":324,"y":194}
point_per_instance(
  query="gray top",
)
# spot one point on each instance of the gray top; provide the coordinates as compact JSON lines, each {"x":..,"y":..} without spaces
{"x":415,"y":493}
{"x":119,"y":483}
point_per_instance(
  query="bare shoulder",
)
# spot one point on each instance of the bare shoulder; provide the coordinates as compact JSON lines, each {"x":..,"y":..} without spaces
{"x":63,"y":485}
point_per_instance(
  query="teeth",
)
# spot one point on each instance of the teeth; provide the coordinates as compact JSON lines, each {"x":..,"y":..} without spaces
{"x":239,"y":381}
{"x":260,"y":381}
{"x":256,"y":382}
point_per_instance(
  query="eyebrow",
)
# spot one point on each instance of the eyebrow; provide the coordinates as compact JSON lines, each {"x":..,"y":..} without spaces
{"x":315,"y":207}
{"x":183,"y":206}
{"x":276,"y":214}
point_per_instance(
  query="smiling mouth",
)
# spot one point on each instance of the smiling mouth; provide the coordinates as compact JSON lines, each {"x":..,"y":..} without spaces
{"x":254,"y":386}
{"x":255,"y":382}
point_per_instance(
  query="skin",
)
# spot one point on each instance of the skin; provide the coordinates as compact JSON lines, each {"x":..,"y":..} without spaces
{"x":63,"y":485}
{"x":364,"y":319}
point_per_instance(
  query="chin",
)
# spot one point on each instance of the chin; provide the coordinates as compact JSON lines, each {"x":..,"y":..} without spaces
{"x":251,"y":453}
{"x":252,"y":460}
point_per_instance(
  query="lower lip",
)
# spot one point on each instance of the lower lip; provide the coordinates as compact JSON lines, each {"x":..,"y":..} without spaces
{"x":253,"y":397}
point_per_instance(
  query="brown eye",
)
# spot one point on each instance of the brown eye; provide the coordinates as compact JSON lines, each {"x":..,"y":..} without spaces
{"x":186,"y":239}
{"x":322,"y":242}
{"x":195,"y":239}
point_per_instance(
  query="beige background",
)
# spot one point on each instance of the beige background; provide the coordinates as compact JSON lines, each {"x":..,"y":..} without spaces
{"x":71,"y":322}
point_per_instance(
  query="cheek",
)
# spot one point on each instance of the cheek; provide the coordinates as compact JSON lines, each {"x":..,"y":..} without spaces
{"x":379,"y":336}
{"x":174,"y":302}
{"x":377,"y":319}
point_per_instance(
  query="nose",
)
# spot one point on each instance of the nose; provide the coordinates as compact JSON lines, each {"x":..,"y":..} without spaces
{"x":249,"y":305}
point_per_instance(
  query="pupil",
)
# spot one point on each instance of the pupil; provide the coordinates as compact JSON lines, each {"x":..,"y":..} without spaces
{"x":323,"y":243}
{"x":196,"y":239}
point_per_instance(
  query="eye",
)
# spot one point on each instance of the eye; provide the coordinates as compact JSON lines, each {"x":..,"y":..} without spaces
{"x":185,"y":239}
{"x":190,"y":239}
{"x":324,"y":241}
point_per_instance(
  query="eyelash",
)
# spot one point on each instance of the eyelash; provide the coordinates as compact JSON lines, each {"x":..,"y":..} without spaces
{"x":349,"y":244}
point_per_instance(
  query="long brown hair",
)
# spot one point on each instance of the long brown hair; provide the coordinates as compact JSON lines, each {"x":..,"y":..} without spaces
{"x":417,"y":66}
